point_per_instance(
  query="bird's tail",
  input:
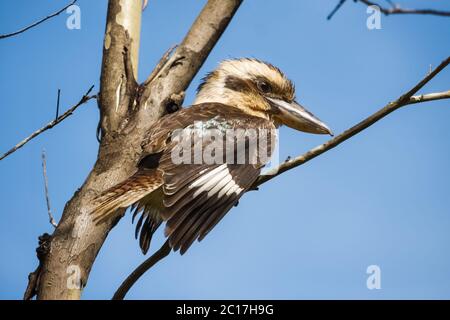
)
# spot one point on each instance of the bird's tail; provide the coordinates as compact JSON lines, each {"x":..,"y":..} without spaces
{"x":125,"y":194}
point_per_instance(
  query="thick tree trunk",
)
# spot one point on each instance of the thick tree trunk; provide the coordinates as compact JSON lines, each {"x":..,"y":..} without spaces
{"x":127,"y":110}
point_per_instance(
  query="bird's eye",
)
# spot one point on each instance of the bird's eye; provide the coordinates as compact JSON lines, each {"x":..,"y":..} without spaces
{"x":264,"y":86}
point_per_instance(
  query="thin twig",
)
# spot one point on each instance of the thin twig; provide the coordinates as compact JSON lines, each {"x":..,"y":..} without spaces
{"x":406,"y":99}
{"x":47,"y":197}
{"x":3,"y":36}
{"x":338,"y":6}
{"x":57,"y":104}
{"x":51,"y":124}
{"x":395,"y":9}
{"x":140,"y":270}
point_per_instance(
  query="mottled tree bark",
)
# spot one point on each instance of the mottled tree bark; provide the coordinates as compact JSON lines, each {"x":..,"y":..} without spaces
{"x":127,"y":110}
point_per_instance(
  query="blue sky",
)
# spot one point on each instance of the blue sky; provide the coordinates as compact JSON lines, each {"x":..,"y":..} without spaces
{"x":381,"y":198}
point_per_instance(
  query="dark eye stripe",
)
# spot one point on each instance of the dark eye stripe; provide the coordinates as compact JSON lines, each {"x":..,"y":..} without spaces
{"x":237,"y":84}
{"x":242,"y":85}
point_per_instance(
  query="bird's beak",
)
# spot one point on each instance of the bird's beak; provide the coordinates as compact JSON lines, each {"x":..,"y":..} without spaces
{"x":295,"y":116}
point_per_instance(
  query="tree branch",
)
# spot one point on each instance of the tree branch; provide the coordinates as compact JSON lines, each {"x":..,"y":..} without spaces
{"x":336,"y":9}
{"x":396,"y":9}
{"x":140,"y":270}
{"x":3,"y":36}
{"x":406,"y":99}
{"x":429,"y":97}
{"x":47,"y":197}
{"x":51,"y":124}
{"x":57,"y":104}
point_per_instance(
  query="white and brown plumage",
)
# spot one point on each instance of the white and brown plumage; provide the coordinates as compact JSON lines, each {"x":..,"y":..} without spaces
{"x":192,"y":198}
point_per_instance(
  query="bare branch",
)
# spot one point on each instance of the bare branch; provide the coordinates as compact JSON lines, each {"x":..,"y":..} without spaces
{"x":338,"y":6}
{"x":140,"y":270}
{"x":47,"y":197}
{"x":429,"y":97}
{"x":120,"y":63}
{"x":4,"y":36}
{"x":51,"y":124}
{"x":396,"y":9}
{"x":115,"y":159}
{"x":406,"y":99}
{"x":57,"y":104}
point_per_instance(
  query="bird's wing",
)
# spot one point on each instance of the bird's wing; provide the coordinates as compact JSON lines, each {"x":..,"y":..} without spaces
{"x":126,"y":193}
{"x":197,"y":196}
{"x":149,"y":208}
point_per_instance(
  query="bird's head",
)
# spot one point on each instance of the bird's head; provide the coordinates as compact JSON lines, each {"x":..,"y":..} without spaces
{"x":259,"y":89}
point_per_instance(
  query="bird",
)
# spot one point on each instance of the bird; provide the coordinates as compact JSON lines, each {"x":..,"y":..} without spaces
{"x":240,"y":96}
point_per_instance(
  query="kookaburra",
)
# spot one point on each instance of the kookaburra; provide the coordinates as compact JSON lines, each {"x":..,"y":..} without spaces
{"x":192,"y":196}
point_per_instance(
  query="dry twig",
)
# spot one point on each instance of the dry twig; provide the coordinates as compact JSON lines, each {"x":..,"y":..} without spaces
{"x":47,"y":197}
{"x":396,"y":9}
{"x":4,"y":36}
{"x":140,"y":270}
{"x":51,"y":124}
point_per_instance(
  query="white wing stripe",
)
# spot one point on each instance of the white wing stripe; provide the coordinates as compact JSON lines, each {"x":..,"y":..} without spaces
{"x":211,"y":183}
{"x":225,"y":181}
{"x":207,"y":176}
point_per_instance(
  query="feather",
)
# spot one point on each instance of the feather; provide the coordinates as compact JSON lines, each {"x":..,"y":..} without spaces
{"x":125,"y":194}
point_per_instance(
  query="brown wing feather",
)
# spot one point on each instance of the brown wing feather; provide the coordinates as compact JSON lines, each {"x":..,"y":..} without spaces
{"x":245,"y":176}
{"x":150,"y":209}
{"x":193,"y":207}
{"x":126,"y":193}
